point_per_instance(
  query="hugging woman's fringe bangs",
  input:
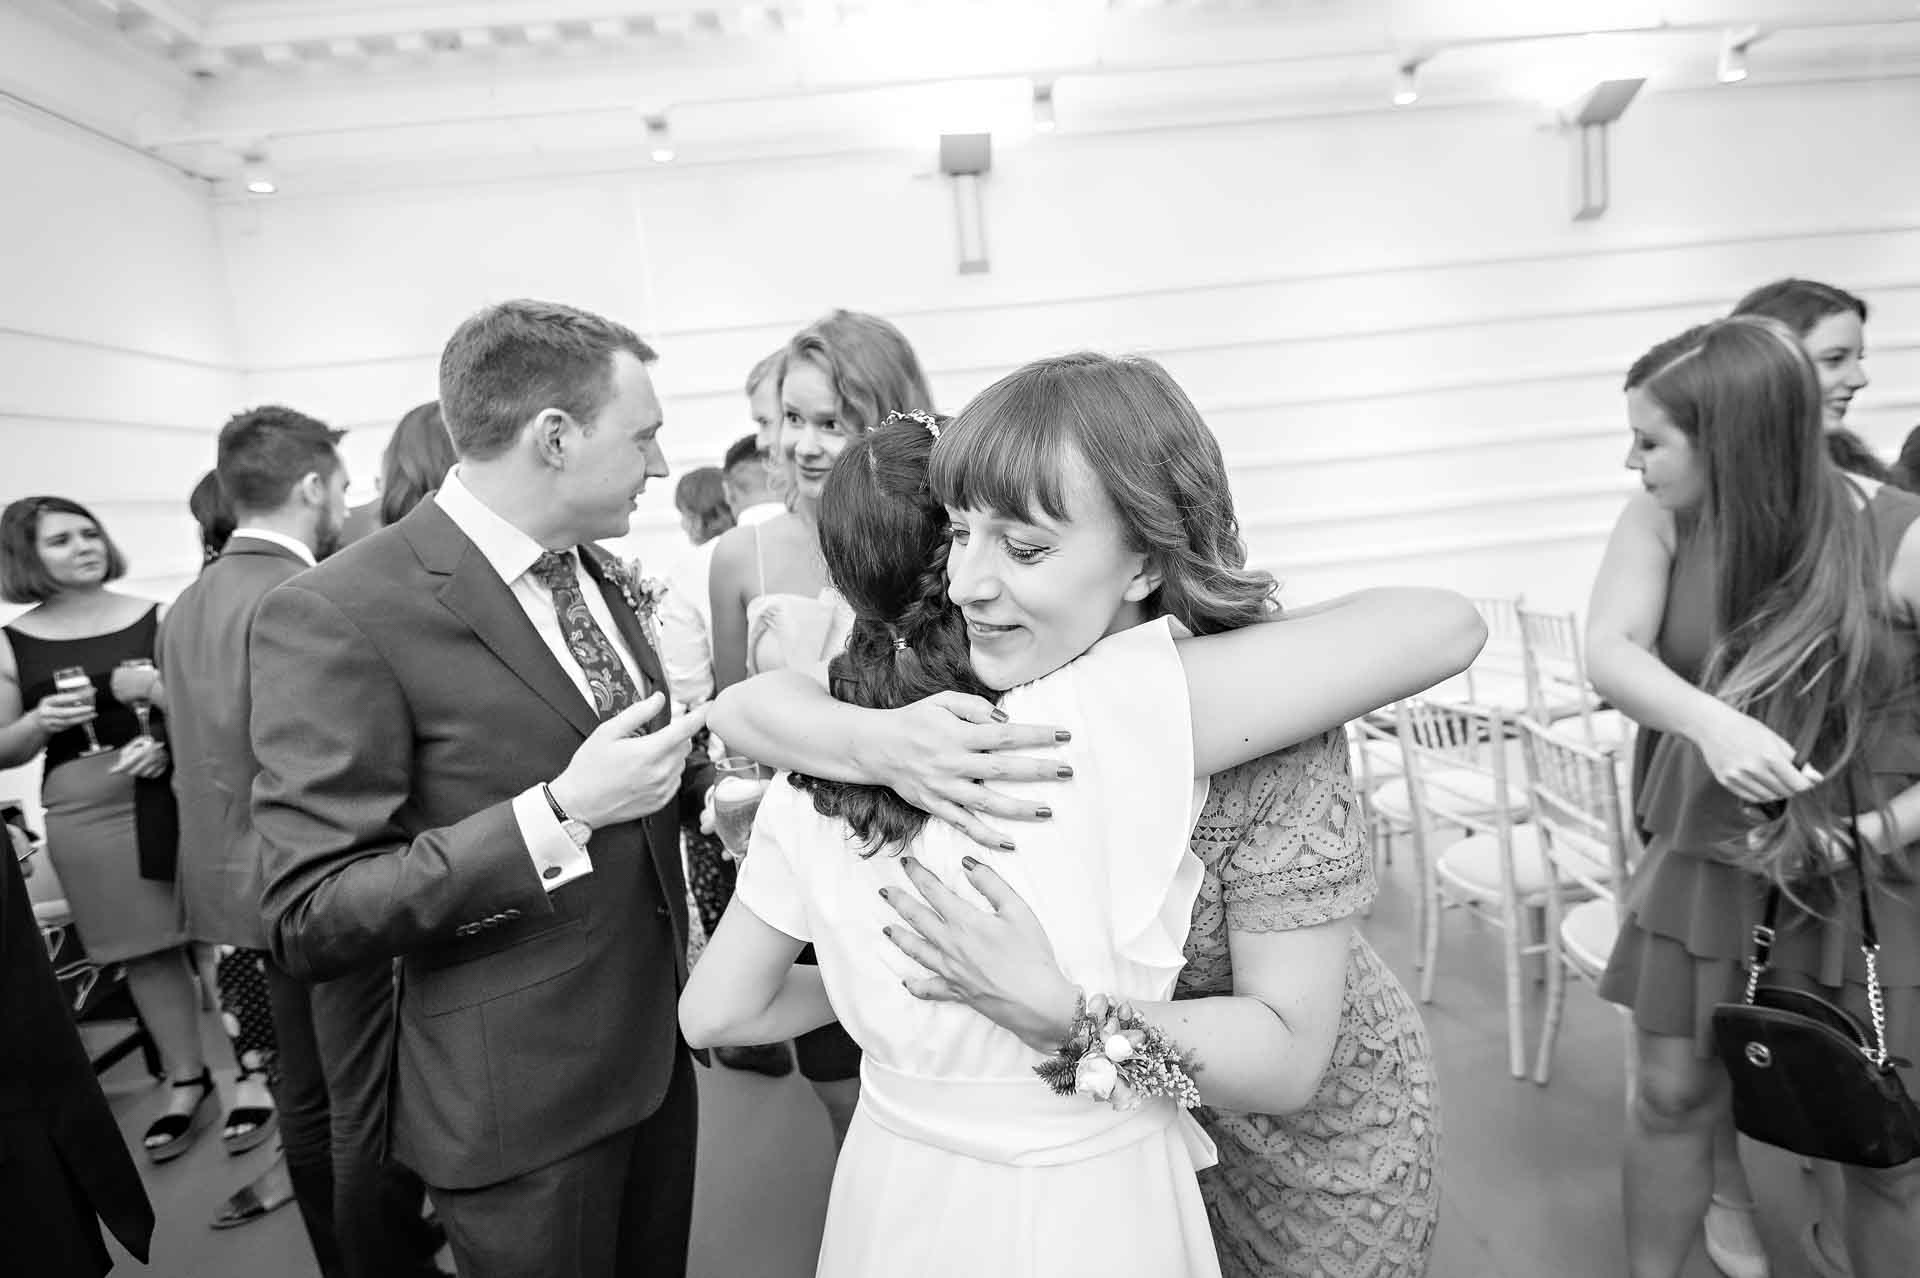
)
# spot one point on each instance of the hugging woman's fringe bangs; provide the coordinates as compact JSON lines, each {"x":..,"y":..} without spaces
{"x":1012,"y":447}
{"x":1802,"y":608}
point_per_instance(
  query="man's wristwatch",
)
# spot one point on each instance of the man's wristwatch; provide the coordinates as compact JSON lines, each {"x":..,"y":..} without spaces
{"x":578,"y":831}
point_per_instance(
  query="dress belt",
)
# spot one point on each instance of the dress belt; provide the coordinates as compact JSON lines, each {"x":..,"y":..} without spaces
{"x":1017,"y":1121}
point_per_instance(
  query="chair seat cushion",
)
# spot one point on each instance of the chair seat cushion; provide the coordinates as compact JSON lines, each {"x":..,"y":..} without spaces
{"x":1449,"y":791}
{"x":1587,"y":933}
{"x":1611,"y":728}
{"x":1473,"y":863}
{"x":54,"y":913}
{"x":1383,"y":758}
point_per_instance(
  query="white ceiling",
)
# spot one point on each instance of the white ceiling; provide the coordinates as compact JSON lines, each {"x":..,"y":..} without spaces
{"x":332,"y":86}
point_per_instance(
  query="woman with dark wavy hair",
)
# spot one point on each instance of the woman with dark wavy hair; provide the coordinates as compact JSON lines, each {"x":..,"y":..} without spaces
{"x":1755,"y":613}
{"x":415,"y":462}
{"x":1078,"y":561}
{"x":771,"y":602}
{"x":1831,"y":323}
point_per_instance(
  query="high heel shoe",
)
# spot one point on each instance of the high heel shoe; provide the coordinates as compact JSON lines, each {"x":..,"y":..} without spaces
{"x":172,"y":1135}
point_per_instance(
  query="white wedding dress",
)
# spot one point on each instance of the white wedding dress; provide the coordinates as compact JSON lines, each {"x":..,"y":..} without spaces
{"x":960,"y":1161}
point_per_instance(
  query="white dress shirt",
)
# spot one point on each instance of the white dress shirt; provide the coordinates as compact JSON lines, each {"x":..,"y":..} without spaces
{"x":512,"y":554}
{"x":294,"y":544}
{"x":686,"y":615}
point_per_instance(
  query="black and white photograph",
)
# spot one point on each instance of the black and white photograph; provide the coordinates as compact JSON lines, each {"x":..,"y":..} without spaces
{"x":960,"y":638}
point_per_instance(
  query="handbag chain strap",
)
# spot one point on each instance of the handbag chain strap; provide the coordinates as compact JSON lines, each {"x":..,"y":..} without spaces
{"x":1763,"y":935}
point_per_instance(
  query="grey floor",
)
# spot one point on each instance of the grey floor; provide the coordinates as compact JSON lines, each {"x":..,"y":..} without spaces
{"x":1530,"y":1177}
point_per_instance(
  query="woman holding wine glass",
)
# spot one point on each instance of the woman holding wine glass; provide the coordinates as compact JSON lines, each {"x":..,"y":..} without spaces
{"x":113,"y":859}
{"x":773,"y":605}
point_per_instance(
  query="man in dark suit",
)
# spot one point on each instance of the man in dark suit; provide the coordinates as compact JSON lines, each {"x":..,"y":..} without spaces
{"x":468,"y":761}
{"x":282,"y":476}
{"x":63,"y":1165}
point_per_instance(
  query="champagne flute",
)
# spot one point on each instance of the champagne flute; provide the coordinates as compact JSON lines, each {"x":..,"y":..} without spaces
{"x":739,"y":784}
{"x":76,"y":682}
{"x":132,"y":684}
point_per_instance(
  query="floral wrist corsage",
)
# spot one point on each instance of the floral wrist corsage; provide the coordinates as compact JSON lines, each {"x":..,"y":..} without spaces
{"x":1112,"y":1055}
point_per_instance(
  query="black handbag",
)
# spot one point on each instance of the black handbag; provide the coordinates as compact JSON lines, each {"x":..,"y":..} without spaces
{"x":1806,"y":1076}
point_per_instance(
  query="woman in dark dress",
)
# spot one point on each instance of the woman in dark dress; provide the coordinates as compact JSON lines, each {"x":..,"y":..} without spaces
{"x":1831,"y":323}
{"x":1755,"y":614}
{"x":55,"y":555}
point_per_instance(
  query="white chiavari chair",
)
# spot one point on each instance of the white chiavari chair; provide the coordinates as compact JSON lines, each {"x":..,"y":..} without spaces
{"x":1556,"y":677}
{"x":1585,"y":852}
{"x":1457,"y":779}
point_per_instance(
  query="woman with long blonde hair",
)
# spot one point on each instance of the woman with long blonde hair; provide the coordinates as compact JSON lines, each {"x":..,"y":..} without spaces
{"x":773,"y":605}
{"x":1755,"y":613}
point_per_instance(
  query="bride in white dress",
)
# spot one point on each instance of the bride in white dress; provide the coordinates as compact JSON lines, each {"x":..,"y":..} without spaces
{"x":960,"y":1160}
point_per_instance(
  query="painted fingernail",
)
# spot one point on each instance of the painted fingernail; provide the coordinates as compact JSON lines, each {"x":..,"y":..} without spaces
{"x":1066,"y":771}
{"x":1006,"y":845}
{"x":883,"y":894}
{"x":968,"y":863}
{"x":1061,"y":734}
{"x":887,"y":932}
{"x":1044,"y":814}
{"x":907,"y":862}
{"x":999,"y":715}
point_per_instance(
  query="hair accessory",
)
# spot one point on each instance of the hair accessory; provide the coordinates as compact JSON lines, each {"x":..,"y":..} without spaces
{"x":899,"y":642}
{"x":1112,"y":1055}
{"x":915,"y":415}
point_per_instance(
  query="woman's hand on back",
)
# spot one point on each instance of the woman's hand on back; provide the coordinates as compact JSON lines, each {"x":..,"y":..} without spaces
{"x":939,"y":752}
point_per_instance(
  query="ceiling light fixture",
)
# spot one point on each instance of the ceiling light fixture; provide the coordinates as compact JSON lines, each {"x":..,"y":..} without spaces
{"x":1406,"y":84}
{"x":1043,"y":121}
{"x":1733,"y":55}
{"x":660,"y":139}
{"x":257,"y":174}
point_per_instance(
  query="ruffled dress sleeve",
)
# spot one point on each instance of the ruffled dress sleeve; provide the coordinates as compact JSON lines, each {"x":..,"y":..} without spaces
{"x":1134,"y":793}
{"x":1303,"y":857}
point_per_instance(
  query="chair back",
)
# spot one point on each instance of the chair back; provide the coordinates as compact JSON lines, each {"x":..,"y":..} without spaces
{"x":1575,"y":795}
{"x":1500,"y":669}
{"x":1555,"y":664}
{"x":1456,"y":763}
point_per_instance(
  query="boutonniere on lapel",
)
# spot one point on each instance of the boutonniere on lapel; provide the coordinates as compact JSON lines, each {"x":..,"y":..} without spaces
{"x":642,"y":593}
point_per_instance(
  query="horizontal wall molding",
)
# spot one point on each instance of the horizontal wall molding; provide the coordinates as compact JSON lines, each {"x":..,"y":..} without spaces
{"x":96,"y":422}
{"x":1257,"y":402}
{"x":1453,"y":442}
{"x":1556,"y":257}
{"x":128,"y":352}
{"x":1434,"y":548}
{"x":1617,"y":485}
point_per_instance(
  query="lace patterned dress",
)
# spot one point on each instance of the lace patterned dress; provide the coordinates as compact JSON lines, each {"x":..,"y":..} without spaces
{"x":1346,"y":1186}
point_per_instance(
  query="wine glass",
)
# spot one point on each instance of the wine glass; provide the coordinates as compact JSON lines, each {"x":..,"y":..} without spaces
{"x":132,"y":684}
{"x":739,"y":783}
{"x":76,"y":682}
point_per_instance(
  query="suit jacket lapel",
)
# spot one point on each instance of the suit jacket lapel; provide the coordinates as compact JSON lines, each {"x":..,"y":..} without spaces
{"x":662,"y":827}
{"x":474,"y":592}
